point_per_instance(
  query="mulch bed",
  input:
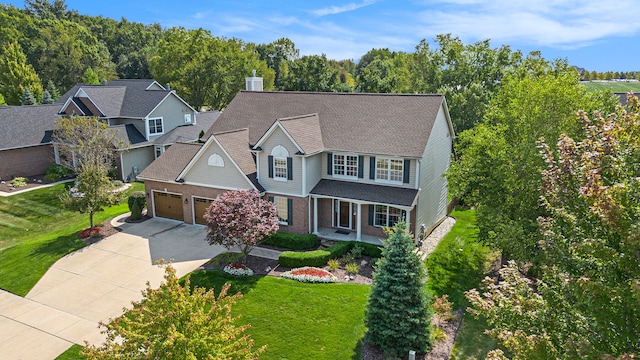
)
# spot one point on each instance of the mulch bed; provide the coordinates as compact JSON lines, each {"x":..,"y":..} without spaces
{"x":32,"y":182}
{"x":107,"y":229}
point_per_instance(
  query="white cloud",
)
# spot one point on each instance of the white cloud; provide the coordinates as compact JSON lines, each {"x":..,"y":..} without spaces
{"x":332,"y":10}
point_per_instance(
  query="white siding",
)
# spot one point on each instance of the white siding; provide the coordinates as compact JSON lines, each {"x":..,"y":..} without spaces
{"x":291,"y":187}
{"x":365,"y":179}
{"x":225,"y":177}
{"x":433,"y":198}
{"x":172,"y":111}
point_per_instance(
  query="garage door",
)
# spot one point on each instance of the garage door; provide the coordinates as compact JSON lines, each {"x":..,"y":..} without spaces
{"x":168,"y":205}
{"x":200,"y":207}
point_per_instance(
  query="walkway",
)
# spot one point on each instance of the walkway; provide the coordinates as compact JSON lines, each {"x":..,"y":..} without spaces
{"x":429,"y":244}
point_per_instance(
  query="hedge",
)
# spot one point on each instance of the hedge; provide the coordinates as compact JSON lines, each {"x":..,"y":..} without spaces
{"x":292,"y":241}
{"x":295,"y":259}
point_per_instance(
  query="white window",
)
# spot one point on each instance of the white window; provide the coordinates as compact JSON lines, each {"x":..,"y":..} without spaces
{"x":187,"y":118}
{"x":280,"y":155}
{"x":159,"y":151}
{"x":155,"y":126}
{"x":282,"y":207}
{"x":215,"y":160}
{"x":345,"y":165}
{"x":387,"y":215}
{"x":390,"y":170}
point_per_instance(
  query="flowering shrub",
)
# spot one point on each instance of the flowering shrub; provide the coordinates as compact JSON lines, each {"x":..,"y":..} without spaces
{"x":310,"y":274}
{"x":237,"y":270}
{"x":94,"y":231}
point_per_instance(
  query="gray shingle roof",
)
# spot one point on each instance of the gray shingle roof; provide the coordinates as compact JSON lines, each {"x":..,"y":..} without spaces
{"x":27,"y":125}
{"x":188,"y":133}
{"x":384,"y":124}
{"x":170,"y":164}
{"x":121,"y":98}
{"x":128,"y":134}
{"x":377,"y":194}
{"x":306,"y":131}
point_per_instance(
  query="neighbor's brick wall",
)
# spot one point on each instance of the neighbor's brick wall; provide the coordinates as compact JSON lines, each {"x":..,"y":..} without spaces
{"x":25,"y":161}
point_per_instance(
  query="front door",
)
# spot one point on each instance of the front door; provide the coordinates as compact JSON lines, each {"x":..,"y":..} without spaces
{"x":345,"y":214}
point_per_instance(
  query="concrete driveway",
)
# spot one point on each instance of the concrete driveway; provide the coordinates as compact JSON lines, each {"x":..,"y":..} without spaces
{"x":94,"y":284}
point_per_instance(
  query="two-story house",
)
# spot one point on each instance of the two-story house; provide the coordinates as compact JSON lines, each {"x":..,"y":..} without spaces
{"x":333,"y":163}
{"x":146,"y":116}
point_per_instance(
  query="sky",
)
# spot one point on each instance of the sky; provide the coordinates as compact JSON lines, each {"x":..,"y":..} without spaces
{"x":599,"y":35}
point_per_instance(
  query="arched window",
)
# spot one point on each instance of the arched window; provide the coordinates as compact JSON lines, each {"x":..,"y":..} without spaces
{"x":280,"y":156}
{"x":216,"y":160}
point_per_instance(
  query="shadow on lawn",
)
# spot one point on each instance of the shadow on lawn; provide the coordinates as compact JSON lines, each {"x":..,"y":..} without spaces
{"x":214,"y":279}
{"x":61,"y":246}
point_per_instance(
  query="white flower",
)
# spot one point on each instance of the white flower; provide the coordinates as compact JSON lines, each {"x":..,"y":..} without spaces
{"x":237,"y":270}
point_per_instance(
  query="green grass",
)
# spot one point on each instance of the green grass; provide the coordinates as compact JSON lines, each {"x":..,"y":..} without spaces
{"x":614,"y":86}
{"x":72,"y":353}
{"x":35,"y":232}
{"x":297,"y":320}
{"x":459,"y":263}
{"x":471,"y":342}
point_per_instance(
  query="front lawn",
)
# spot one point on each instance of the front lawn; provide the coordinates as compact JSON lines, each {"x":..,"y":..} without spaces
{"x":35,"y":231}
{"x":297,"y":320}
{"x":459,"y":263}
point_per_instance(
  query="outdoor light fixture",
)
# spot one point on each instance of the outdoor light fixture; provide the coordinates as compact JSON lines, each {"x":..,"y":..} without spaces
{"x":186,"y":200}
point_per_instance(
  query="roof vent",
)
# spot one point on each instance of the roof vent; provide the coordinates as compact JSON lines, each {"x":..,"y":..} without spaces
{"x":253,"y":83}
{"x":168,"y":87}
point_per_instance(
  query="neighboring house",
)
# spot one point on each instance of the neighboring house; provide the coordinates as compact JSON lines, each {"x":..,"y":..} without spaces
{"x":25,"y":139}
{"x":147,"y":117}
{"x":331,"y":162}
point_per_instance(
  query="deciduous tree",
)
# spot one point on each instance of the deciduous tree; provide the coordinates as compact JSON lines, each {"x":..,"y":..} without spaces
{"x":16,"y":75}
{"x":176,"y":322}
{"x":585,"y":303}
{"x":398,"y":316}
{"x":240,"y":218}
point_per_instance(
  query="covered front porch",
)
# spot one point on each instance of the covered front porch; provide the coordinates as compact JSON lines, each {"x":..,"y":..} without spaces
{"x":346,"y":235}
{"x":359,"y":212}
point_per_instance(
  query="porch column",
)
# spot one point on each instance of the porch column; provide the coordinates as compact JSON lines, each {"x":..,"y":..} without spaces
{"x":315,"y":215}
{"x":359,"y":222}
{"x":408,"y":220}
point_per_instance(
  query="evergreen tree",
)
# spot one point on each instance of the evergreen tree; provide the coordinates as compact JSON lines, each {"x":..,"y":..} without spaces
{"x":16,"y":74}
{"x":53,"y":90}
{"x":46,"y":98}
{"x":398,"y":315}
{"x":27,"y":97}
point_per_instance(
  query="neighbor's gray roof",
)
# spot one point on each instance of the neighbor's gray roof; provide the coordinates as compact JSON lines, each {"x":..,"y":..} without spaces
{"x":26,"y":125}
{"x":187,"y":133}
{"x":121,"y":98}
{"x":170,"y":164}
{"x":385,"y":124}
{"x":377,"y":194}
{"x":128,"y":133}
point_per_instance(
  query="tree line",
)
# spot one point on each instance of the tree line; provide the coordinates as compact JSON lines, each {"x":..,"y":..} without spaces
{"x":47,"y":48}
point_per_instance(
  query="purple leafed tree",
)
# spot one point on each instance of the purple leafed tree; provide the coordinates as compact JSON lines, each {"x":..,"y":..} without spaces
{"x":240,"y":218}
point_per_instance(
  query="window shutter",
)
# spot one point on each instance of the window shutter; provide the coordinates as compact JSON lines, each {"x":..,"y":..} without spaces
{"x":360,"y":167}
{"x":271,"y":199}
{"x":372,"y":168}
{"x":289,"y":168}
{"x":371,"y":214}
{"x":406,"y":168}
{"x":290,"y":210}
{"x":270,"y":159}
{"x":329,"y":163}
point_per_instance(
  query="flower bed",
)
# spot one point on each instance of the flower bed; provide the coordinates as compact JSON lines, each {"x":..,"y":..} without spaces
{"x":94,"y":231}
{"x":310,"y":275}
{"x":237,"y":270}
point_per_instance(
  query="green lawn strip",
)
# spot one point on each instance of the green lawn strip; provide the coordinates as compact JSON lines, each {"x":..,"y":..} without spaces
{"x":471,"y":341}
{"x":614,"y":86}
{"x":72,"y":353}
{"x":459,"y":263}
{"x":47,"y":237}
{"x":297,"y":320}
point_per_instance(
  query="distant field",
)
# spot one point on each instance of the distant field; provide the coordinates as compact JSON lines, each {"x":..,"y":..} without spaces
{"x":614,"y":86}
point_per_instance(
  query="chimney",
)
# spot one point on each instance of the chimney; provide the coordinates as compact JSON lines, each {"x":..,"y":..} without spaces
{"x":253,"y":83}
{"x":168,"y":87}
